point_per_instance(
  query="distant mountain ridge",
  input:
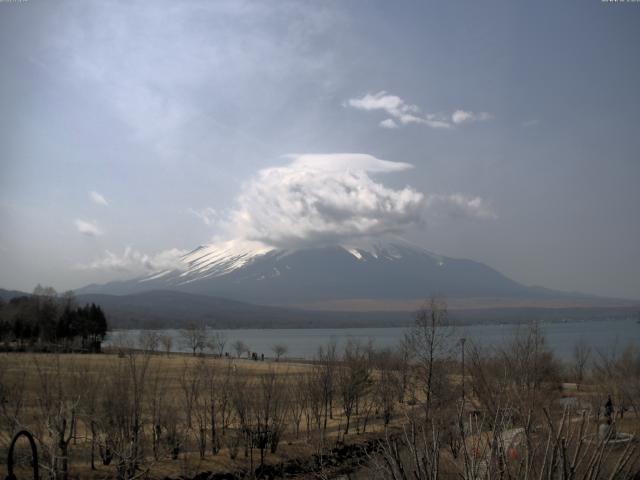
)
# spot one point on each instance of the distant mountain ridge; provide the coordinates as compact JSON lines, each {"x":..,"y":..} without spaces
{"x":250,"y":285}
{"x":7,"y":295}
{"x":254,"y":273}
{"x":159,"y":309}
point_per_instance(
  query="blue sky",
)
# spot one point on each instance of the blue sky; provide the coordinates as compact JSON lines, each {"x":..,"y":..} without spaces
{"x":519,"y":121}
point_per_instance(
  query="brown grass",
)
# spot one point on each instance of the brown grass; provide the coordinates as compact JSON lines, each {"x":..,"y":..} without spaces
{"x":16,"y":365}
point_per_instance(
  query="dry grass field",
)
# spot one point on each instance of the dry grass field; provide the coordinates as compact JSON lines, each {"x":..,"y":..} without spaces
{"x":82,"y":382}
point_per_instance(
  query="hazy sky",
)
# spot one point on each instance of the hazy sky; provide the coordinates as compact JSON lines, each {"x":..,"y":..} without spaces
{"x":506,"y":132}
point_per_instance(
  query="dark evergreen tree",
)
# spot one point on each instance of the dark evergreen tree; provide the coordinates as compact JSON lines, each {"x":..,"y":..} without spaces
{"x":5,"y":330}
{"x":97,"y":326}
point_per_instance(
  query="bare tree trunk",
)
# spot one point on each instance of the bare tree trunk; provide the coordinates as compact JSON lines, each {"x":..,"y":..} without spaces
{"x":215,"y":448}
{"x":93,"y":444}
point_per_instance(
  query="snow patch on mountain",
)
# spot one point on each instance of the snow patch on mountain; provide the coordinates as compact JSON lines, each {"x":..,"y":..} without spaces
{"x":393,"y":249}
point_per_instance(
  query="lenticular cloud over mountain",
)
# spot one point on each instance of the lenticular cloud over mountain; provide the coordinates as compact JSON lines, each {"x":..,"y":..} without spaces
{"x":315,"y":200}
{"x":319,"y":228}
{"x":323,"y":198}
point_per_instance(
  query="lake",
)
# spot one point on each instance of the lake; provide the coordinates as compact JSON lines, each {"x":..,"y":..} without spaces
{"x":601,"y":335}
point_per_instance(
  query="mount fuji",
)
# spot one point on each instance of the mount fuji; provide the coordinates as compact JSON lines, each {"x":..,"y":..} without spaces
{"x":392,"y":270}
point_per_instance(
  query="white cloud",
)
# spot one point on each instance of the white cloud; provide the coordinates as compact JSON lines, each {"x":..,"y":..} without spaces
{"x":395,"y":106}
{"x":330,"y":198}
{"x":388,"y":123}
{"x":392,"y":104}
{"x":459,"y":205}
{"x":403,"y":113}
{"x":323,"y":198}
{"x":89,"y":229}
{"x":208,"y":215}
{"x":134,"y":261}
{"x":464,"y":116}
{"x":98,"y":198}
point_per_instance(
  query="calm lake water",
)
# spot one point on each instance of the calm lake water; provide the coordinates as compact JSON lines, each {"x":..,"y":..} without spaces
{"x":601,"y":335}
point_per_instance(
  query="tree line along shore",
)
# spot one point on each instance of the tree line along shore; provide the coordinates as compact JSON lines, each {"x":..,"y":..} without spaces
{"x":46,"y":321}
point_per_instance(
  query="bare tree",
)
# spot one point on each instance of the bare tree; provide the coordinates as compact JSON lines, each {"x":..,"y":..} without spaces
{"x":523,"y":374}
{"x":385,"y":389}
{"x":268,"y":413}
{"x":217,"y":342}
{"x":175,"y":436}
{"x":428,"y":341}
{"x":122,"y":419}
{"x":194,"y":338}
{"x":223,"y":397}
{"x":316,"y":387}
{"x":156,"y":401}
{"x":202,"y":404}
{"x":149,"y":341}
{"x":531,"y":368}
{"x":325,"y":368}
{"x":353,"y":379}
{"x":213,"y":393}
{"x":581,"y":355}
{"x":240,"y":389}
{"x":279,"y":349}
{"x":58,"y":409}
{"x":167,"y":342}
{"x":91,"y":382}
{"x":320,"y":389}
{"x":12,"y":399}
{"x":298,"y":400}
{"x":617,"y":374}
{"x":190,"y":385}
{"x":239,"y":347}
{"x":402,"y":359}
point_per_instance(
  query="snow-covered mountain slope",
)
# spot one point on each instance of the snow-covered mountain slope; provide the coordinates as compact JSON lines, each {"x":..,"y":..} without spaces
{"x":211,"y":261}
{"x":253,"y":272}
